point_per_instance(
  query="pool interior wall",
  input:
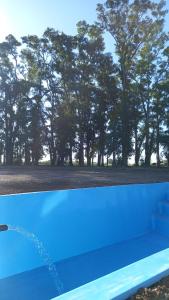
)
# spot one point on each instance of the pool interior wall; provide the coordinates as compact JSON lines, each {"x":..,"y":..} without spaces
{"x":89,"y":233}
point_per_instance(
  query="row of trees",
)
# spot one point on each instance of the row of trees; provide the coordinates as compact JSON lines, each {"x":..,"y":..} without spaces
{"x":64,"y":95}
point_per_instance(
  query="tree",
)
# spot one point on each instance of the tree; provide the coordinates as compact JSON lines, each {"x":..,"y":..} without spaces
{"x":90,"y":47}
{"x":131,"y":24}
{"x":64,"y":95}
{"x":9,"y":85}
{"x":61,"y":94}
{"x":35,"y":57}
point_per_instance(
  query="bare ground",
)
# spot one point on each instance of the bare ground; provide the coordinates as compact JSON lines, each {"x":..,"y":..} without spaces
{"x":28,"y":179}
{"x":42,"y":178}
{"x":158,"y":291}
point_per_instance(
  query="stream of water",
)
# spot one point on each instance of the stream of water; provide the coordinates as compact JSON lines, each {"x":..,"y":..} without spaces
{"x":43,"y":253}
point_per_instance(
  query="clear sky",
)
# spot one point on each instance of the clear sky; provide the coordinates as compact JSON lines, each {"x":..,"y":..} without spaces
{"x":33,"y":16}
{"x":22,"y":17}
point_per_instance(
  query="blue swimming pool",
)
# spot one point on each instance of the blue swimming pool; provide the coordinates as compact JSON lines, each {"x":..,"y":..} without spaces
{"x":92,"y":244}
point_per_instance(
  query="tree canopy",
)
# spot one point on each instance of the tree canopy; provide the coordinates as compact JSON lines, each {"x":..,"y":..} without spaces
{"x":67,"y":97}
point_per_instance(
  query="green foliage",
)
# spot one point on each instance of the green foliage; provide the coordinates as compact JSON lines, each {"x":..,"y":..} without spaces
{"x":64,"y":95}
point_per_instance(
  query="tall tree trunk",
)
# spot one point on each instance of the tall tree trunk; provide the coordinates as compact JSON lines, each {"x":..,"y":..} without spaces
{"x":147,"y":147}
{"x":168,"y":160}
{"x":88,"y":160}
{"x":27,"y":155}
{"x":158,"y":144}
{"x":61,"y":159}
{"x":81,"y":150}
{"x":53,"y":157}
{"x":124,"y":115}
{"x":102,"y":160}
{"x":70,"y":156}
{"x":101,"y":147}
{"x":107,"y":158}
{"x":114,"y":159}
{"x":52,"y":147}
{"x":9,"y":152}
{"x":137,"y":149}
{"x":99,"y":159}
{"x":88,"y":153}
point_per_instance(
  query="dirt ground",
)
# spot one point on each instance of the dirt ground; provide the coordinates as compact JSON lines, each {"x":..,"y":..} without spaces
{"x":159,"y":291}
{"x":42,"y":178}
{"x":27,"y":179}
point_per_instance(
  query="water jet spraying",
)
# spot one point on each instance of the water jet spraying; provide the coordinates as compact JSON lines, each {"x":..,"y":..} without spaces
{"x":3,"y":227}
{"x":41,"y":250}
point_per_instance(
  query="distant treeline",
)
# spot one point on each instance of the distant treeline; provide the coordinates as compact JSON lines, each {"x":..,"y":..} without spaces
{"x":65,"y":96}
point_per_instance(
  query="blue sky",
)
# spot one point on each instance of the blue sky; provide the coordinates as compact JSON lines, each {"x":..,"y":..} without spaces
{"x":22,"y":17}
{"x":33,"y":16}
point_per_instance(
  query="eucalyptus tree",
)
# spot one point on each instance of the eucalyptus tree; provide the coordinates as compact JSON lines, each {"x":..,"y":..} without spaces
{"x":90,"y":48}
{"x":106,"y":101}
{"x":131,"y":24}
{"x":61,"y":82}
{"x":35,"y":57}
{"x":52,"y":82}
{"x":9,"y":86}
{"x":163,"y":94}
{"x":146,"y":69}
{"x":146,"y":76}
{"x":160,"y":107}
{"x":22,"y":127}
{"x":65,"y":94}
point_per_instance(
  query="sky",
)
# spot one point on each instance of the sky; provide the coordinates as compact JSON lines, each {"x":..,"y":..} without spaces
{"x":23,"y":17}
